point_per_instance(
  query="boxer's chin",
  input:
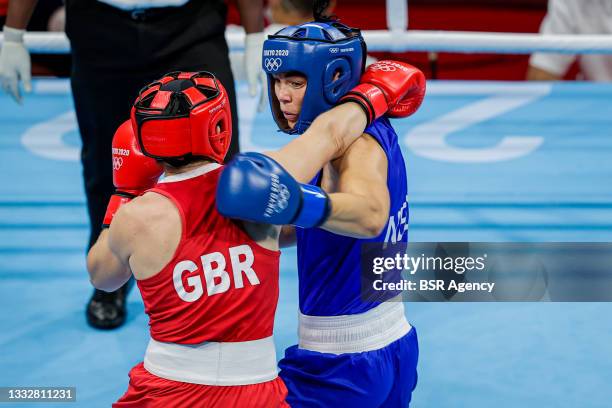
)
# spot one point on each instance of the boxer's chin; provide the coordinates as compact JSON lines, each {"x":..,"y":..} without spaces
{"x":291,"y":120}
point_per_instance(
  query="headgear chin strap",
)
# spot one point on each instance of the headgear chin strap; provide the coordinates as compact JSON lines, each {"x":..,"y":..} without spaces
{"x":320,"y":51}
{"x":181,"y":115}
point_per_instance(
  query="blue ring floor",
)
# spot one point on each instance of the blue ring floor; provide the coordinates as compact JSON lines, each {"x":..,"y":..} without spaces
{"x":487,"y":161}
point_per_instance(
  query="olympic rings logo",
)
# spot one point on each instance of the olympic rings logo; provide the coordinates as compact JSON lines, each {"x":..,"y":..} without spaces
{"x":283,"y":198}
{"x":273,"y":64}
{"x":381,"y":66}
{"x":278,"y":200}
{"x":117,"y":163}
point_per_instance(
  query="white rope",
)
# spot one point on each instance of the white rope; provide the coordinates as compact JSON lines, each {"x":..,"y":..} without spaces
{"x":495,"y":43}
{"x":411,"y":40}
{"x":397,"y":15}
{"x":47,"y":43}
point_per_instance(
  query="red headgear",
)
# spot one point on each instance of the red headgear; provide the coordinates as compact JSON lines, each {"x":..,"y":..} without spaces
{"x":181,"y":115}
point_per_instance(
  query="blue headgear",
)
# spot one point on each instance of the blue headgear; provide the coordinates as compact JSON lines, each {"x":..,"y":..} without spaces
{"x":317,"y":50}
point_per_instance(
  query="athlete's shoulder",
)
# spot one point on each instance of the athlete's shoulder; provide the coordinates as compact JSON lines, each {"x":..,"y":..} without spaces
{"x":147,"y":212}
{"x":151,"y":204}
{"x":150,"y":220}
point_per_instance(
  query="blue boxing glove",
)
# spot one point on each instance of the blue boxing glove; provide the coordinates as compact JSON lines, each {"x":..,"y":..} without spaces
{"x":254,"y":187}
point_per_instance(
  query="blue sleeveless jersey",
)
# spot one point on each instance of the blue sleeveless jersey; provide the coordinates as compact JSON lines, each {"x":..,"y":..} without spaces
{"x":329,"y":264}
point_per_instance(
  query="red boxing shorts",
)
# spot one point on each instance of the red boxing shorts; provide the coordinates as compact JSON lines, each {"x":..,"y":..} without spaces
{"x":149,"y":391}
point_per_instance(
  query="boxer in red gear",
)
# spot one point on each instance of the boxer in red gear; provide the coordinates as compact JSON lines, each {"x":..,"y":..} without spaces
{"x":217,"y":294}
{"x":209,"y":283}
{"x":210,"y":290}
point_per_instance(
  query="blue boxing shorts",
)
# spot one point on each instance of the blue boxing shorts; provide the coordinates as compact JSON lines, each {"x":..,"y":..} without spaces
{"x":383,"y":377}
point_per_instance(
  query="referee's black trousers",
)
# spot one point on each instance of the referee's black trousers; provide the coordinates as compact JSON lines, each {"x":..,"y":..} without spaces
{"x":115,"y":53}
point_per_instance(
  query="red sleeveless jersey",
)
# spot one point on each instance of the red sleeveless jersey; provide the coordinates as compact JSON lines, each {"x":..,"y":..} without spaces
{"x":220,"y":285}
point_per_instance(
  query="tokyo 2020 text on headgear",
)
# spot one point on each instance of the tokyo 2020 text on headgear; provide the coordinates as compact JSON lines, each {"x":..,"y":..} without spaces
{"x":183,"y":115}
{"x":319,"y":51}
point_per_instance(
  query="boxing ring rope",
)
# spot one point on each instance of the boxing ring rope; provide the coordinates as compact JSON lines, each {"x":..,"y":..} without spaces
{"x":409,"y":40}
{"x":398,"y":39}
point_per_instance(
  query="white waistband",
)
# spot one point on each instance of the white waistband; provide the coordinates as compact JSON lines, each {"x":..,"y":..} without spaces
{"x":367,"y":331}
{"x":210,"y":363}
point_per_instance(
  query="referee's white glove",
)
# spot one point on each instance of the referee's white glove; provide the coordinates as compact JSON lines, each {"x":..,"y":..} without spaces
{"x":15,"y":63}
{"x":253,"y":48}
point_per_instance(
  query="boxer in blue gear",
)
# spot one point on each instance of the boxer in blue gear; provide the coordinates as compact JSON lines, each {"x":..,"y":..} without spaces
{"x":351,"y":352}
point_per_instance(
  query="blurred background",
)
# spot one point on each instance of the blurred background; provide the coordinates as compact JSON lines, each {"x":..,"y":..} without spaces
{"x":511,"y":16}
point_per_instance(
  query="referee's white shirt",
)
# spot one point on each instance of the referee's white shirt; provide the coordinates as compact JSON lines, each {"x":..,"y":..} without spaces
{"x":143,"y":4}
{"x":577,"y":17}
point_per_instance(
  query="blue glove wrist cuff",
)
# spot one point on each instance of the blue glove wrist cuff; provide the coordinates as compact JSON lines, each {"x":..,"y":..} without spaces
{"x":315,"y":207}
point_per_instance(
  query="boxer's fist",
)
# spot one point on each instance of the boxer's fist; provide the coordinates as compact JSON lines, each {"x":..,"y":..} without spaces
{"x":255,"y":187}
{"x":133,"y":172}
{"x":391,"y":87}
{"x":402,"y":84}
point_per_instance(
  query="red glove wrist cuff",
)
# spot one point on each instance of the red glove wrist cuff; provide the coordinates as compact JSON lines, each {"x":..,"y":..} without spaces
{"x":370,"y":98}
{"x":117,"y":200}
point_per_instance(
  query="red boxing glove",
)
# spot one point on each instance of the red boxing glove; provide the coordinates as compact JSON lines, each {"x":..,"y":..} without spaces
{"x":388,"y":86}
{"x":133,"y":172}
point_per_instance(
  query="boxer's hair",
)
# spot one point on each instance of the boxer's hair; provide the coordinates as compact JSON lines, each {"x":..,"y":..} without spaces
{"x":182,"y":161}
{"x":302,"y":7}
{"x":318,"y":9}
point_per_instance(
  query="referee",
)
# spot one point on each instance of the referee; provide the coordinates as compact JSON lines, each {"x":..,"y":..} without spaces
{"x":117,"y":47}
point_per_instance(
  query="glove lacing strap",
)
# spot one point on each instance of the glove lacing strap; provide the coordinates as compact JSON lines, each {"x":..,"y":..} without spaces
{"x":123,"y":194}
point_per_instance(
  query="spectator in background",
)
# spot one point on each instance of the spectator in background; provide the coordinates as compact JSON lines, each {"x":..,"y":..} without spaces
{"x":293,"y":12}
{"x":3,"y":9}
{"x":283,"y":13}
{"x":574,"y":17}
{"x":117,"y":47}
{"x":49,"y":15}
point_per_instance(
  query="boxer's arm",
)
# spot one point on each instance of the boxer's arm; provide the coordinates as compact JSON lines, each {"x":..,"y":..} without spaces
{"x":108,"y":261}
{"x":107,"y":271}
{"x":387,"y":86}
{"x":270,"y":188}
{"x":327,"y":138}
{"x":254,"y":187}
{"x":360,"y":207}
